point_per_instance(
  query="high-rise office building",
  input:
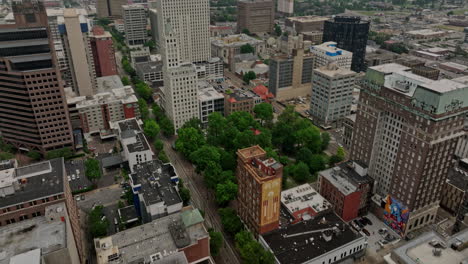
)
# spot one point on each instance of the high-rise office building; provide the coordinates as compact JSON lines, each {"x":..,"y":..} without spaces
{"x":466,"y":34}
{"x":350,"y":33}
{"x":103,"y":52}
{"x":259,"y":193}
{"x":257,"y":16}
{"x":286,"y":7}
{"x":74,"y":30}
{"x":110,"y":8}
{"x":135,"y":24}
{"x":33,"y":110}
{"x":327,"y":53}
{"x":190,"y":20}
{"x":406,"y":131}
{"x":332,"y":94}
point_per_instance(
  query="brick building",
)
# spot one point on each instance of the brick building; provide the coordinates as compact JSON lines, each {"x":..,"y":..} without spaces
{"x":103,"y":52}
{"x":259,"y":180}
{"x":33,"y":110}
{"x":406,"y":132}
{"x":25,"y":192}
{"x":303,"y":202}
{"x":348,"y":188}
{"x":257,"y":16}
{"x":238,"y":101}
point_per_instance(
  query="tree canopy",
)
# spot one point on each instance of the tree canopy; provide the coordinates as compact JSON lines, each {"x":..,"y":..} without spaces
{"x":92,"y":169}
{"x":247,"y":48}
{"x":97,"y":223}
{"x":151,"y":128}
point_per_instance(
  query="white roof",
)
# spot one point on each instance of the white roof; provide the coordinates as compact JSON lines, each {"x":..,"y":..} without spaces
{"x":30,"y":257}
{"x":301,"y":197}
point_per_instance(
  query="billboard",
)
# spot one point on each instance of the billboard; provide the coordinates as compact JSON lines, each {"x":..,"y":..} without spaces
{"x":395,"y":215}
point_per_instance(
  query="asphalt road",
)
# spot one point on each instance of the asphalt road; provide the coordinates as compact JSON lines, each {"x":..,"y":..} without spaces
{"x":203,"y":199}
{"x":104,"y":196}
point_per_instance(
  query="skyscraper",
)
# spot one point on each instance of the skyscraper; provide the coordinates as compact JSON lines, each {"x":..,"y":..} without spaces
{"x":406,"y":131}
{"x":33,"y":111}
{"x":74,"y":31}
{"x":135,"y":24}
{"x":350,"y":33}
{"x":190,"y":21}
{"x":110,"y":8}
{"x":103,"y":52}
{"x":257,"y":16}
{"x":259,"y":179}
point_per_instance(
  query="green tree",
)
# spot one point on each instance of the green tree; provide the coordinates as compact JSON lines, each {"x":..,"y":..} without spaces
{"x":163,"y":157}
{"x":317,"y":163}
{"x":225,"y":192}
{"x":151,"y":128}
{"x":144,"y":111}
{"x":97,"y":224}
{"x":125,"y":81}
{"x":195,"y":123}
{"x":325,"y":140}
{"x":242,"y":120}
{"x":202,"y":156}
{"x":216,"y":125}
{"x":249,"y":76}
{"x":150,"y":44}
{"x":143,"y":90}
{"x":190,"y":139}
{"x":246,"y":31}
{"x":58,"y":153}
{"x":301,"y":173}
{"x":278,"y":31}
{"x":338,"y":157}
{"x":34,"y":155}
{"x":158,"y":112}
{"x":227,"y":160}
{"x":184,"y":195}
{"x":167,"y":127}
{"x":247,"y":48}
{"x":230,"y":221}
{"x":244,"y":139}
{"x":92,"y":169}
{"x":158,"y":145}
{"x":6,"y":156}
{"x":216,"y":242}
{"x":310,"y":138}
{"x":212,"y":174}
{"x":251,"y":251}
{"x":264,"y":112}
{"x":305,"y":155}
{"x":450,"y":13}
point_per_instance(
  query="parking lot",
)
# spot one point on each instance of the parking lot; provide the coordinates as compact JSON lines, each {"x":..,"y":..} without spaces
{"x":104,"y":196}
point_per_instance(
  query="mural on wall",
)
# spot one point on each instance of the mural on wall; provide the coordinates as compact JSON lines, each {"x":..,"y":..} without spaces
{"x":396,"y":215}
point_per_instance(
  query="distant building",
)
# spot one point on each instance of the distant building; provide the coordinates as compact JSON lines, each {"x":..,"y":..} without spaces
{"x":426,"y":71}
{"x":103,"y":52}
{"x":454,"y":67}
{"x":136,"y":149}
{"x":425,"y":34}
{"x":220,"y":31}
{"x":229,"y":46}
{"x":135,"y":24}
{"x":303,"y":203}
{"x":110,"y":8}
{"x":259,"y":180}
{"x":324,"y":239}
{"x":139,"y":55}
{"x":257,"y":16}
{"x":262,"y":91}
{"x":210,"y":101}
{"x":332,"y":94}
{"x":315,"y":37}
{"x":454,"y":196}
{"x":26,"y":196}
{"x":286,"y":7}
{"x":291,"y":76}
{"x":379,"y":57}
{"x":431,"y":248}
{"x":351,"y":34}
{"x":303,"y":24}
{"x":161,"y":241}
{"x":466,"y":34}
{"x":154,"y":187}
{"x":348,"y":188}
{"x":328,"y":52}
{"x":240,"y":101}
{"x":210,"y":70}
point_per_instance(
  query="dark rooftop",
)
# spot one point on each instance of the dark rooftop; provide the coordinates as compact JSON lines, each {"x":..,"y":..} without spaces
{"x":7,"y":164}
{"x":156,"y":183}
{"x":42,"y":179}
{"x":304,"y":241}
{"x":76,"y":175}
{"x":140,"y":145}
{"x":129,"y":125}
{"x":128,"y":214}
{"x":352,"y":175}
{"x":152,"y":66}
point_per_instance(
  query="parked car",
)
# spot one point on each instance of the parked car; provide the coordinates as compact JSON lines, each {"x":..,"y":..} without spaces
{"x":355,"y":221}
{"x":366,"y":232}
{"x":368,"y":221}
{"x":363,"y":222}
{"x":382,"y":231}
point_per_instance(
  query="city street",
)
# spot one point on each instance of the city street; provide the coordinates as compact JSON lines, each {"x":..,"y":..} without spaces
{"x":203,"y":199}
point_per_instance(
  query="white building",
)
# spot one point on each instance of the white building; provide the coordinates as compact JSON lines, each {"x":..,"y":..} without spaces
{"x":210,"y":101}
{"x":135,"y":24}
{"x":226,"y":47}
{"x":136,"y":149}
{"x":190,"y":20}
{"x":286,"y":6}
{"x":327,"y":53}
{"x":332,"y":93}
{"x":139,"y":55}
{"x":211,"y":70}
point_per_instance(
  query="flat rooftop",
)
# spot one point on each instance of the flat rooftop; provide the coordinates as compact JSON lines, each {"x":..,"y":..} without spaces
{"x":209,"y":93}
{"x":302,"y":242}
{"x":330,"y":49}
{"x":107,"y":83}
{"x":156,"y":183}
{"x":302,"y":197}
{"x":345,"y":178}
{"x":151,"y":66}
{"x":39,"y":180}
{"x":444,"y":85}
{"x":390,"y":68}
{"x":419,"y":250}
{"x":129,"y":125}
{"x":235,"y":40}
{"x":35,"y":233}
{"x":308,"y":19}
{"x":140,"y":145}
{"x":332,"y":70}
{"x":140,"y":242}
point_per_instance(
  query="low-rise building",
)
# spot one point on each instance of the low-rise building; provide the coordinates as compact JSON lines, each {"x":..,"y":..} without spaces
{"x":159,"y":241}
{"x":240,"y":101}
{"x":454,"y":67}
{"x":303,"y":24}
{"x":427,"y":55}
{"x":303,"y":202}
{"x":431,"y":248}
{"x":262,"y":91}
{"x":426,"y":71}
{"x":323,"y":239}
{"x":315,"y":37}
{"x":150,"y":72}
{"x":25,"y":196}
{"x":379,"y":57}
{"x":228,"y":46}
{"x":425,"y":34}
{"x":154,"y":187}
{"x":135,"y":147}
{"x":219,"y":31}
{"x":210,"y":101}
{"x":348,"y":188}
{"x":328,"y":52}
{"x":139,"y":55}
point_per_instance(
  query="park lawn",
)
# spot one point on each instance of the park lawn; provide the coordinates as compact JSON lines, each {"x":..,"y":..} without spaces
{"x":449,"y":27}
{"x":460,"y":11}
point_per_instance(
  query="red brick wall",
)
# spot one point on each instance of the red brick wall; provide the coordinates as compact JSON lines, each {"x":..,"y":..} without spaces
{"x":198,"y":251}
{"x":104,"y":57}
{"x":129,"y":112}
{"x":351,"y":206}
